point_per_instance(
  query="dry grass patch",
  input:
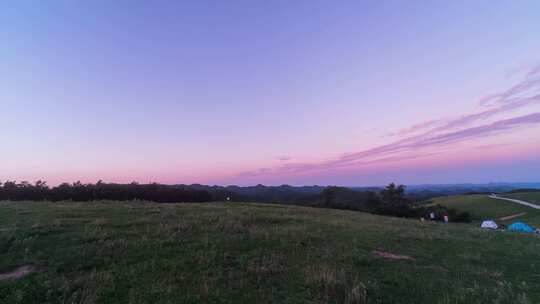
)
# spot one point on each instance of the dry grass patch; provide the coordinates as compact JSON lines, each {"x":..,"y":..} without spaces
{"x":260,"y":233}
{"x":322,"y":275}
{"x":267,"y":265}
{"x":205,"y":285}
{"x":101,"y":221}
{"x":334,"y":284}
{"x":358,"y":294}
{"x":391,"y":256}
{"x":174,"y":228}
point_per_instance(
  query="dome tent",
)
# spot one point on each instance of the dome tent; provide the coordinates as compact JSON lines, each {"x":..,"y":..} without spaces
{"x":489,"y":224}
{"x":520,"y":227}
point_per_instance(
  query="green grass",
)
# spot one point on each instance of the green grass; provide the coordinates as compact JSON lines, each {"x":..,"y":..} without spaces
{"x":255,"y":253}
{"x":531,"y":197}
{"x":481,"y":207}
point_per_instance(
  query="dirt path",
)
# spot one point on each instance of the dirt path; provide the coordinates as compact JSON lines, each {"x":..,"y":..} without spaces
{"x":515,"y":201}
{"x":19,"y":272}
{"x":509,"y":217}
{"x":392,"y":256}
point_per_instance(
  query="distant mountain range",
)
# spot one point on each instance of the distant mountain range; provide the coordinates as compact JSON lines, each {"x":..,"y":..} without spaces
{"x":306,"y":194}
{"x":285,"y":194}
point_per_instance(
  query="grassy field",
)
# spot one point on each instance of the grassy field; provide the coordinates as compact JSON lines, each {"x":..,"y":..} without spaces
{"x":481,"y":207}
{"x":247,"y":253}
{"x":531,"y":197}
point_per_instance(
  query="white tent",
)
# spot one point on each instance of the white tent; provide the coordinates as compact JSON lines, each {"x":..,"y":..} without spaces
{"x":489,"y":225}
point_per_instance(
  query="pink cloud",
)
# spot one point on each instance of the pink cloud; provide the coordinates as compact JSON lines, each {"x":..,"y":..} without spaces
{"x":529,"y":86}
{"x":284,"y":158}
{"x":525,"y":93}
{"x":437,"y":133}
{"x":415,"y":128}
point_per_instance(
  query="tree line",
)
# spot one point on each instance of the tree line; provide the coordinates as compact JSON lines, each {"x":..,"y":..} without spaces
{"x":40,"y":191}
{"x":388,"y":201}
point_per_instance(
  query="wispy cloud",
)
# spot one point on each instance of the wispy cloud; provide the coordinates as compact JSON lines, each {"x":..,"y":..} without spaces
{"x":493,"y":146}
{"x":415,"y":128}
{"x":529,"y":87}
{"x":524,"y":93}
{"x":283,"y":158}
{"x":437,"y":133}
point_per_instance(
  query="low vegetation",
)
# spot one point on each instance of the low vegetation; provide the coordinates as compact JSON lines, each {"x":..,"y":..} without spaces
{"x":388,"y":201}
{"x":118,"y":252}
{"x":482,"y":207}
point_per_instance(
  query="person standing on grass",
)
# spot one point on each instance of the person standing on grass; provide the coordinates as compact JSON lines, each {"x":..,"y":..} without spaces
{"x":446,"y":218}
{"x":432,"y":215}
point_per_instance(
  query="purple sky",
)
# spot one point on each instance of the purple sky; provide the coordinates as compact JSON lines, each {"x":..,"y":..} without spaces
{"x":273,"y":92}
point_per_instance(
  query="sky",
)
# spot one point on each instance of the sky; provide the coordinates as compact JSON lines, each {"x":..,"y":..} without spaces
{"x":353,"y":93}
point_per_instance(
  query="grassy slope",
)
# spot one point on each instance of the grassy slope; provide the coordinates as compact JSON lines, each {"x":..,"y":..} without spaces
{"x":531,"y":197}
{"x":481,"y":207}
{"x":246,"y":253}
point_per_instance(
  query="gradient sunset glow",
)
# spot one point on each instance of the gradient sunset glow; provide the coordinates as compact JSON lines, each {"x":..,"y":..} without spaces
{"x":275,"y":92}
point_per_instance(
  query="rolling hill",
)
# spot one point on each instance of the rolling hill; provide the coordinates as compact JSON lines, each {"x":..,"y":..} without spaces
{"x":482,"y":207}
{"x":531,"y":197}
{"x":112,"y":252}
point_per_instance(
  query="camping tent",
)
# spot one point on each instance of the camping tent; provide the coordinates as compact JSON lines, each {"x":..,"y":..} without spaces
{"x":489,"y":225}
{"x":520,"y":227}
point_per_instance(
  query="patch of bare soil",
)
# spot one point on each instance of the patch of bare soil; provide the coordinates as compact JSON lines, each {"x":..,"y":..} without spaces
{"x":435,"y":268}
{"x":20,"y":272}
{"x":505,"y":218}
{"x":391,"y":256}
